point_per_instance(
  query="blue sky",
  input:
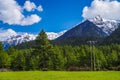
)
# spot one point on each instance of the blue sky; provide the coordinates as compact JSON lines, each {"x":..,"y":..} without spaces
{"x":57,"y":15}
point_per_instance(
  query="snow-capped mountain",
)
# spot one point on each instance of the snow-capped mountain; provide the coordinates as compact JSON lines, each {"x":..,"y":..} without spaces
{"x":18,"y":39}
{"x":108,"y":26}
{"x":96,"y":29}
{"x":52,"y":35}
{"x":24,"y":37}
{"x":86,"y":29}
{"x":102,"y":27}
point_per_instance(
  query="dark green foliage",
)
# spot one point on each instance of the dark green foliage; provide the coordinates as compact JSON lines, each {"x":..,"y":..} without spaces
{"x":26,"y":45}
{"x":61,"y":58}
{"x":76,"y":41}
{"x":113,"y":38}
{"x":4,"y":58}
{"x":19,"y":62}
{"x":45,"y":56}
{"x":57,"y":59}
{"x":70,"y":57}
{"x":1,"y":48}
{"x":43,"y":51}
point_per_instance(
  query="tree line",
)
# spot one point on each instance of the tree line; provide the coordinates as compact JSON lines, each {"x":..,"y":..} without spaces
{"x":45,"y":56}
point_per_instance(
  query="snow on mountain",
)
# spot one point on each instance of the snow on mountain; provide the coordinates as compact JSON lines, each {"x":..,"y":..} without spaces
{"x":16,"y":38}
{"x":108,"y":26}
{"x":83,"y":31}
{"x":10,"y":37}
{"x":52,"y":35}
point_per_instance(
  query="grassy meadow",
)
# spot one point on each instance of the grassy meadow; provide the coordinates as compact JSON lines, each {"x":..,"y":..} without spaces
{"x":60,"y":75}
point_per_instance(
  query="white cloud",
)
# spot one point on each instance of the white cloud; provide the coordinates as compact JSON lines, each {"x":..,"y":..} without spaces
{"x":30,"y":20}
{"x":12,"y":13}
{"x":39,"y":8}
{"x":4,"y":34}
{"x":109,"y":9}
{"x":30,"y":6}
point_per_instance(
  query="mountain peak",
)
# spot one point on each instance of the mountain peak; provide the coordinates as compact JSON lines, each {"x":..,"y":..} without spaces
{"x":107,"y":25}
{"x":84,"y":29}
{"x":97,"y":19}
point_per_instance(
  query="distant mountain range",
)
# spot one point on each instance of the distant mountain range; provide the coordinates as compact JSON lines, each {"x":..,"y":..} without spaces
{"x":19,"y":38}
{"x":91,"y":29}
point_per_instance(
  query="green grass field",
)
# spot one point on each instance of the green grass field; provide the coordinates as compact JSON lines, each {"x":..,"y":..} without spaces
{"x":59,"y":75}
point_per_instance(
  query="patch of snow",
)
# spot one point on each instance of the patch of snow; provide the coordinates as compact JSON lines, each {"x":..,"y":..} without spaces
{"x":108,"y":26}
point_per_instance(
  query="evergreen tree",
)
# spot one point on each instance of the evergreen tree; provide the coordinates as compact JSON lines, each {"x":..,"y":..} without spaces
{"x":82,"y":58}
{"x":70,"y":57}
{"x":33,"y":63}
{"x":1,"y":48}
{"x":57,"y":59}
{"x":19,"y":62}
{"x":11,"y":51}
{"x":100,"y":59}
{"x":4,"y":58}
{"x":43,"y":50}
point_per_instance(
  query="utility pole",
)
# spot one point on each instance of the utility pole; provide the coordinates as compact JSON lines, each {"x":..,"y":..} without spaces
{"x":93,"y":65}
{"x":91,"y":55}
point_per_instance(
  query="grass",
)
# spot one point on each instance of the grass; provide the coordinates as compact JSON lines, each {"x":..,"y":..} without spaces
{"x":60,"y":75}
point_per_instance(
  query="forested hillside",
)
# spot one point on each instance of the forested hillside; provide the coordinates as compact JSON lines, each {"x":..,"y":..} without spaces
{"x":45,"y":56}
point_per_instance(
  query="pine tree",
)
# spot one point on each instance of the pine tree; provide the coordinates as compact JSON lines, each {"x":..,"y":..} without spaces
{"x":33,"y":63}
{"x":57,"y":59}
{"x":11,"y":51}
{"x":4,"y":58}
{"x":43,"y":50}
{"x":70,"y":57}
{"x":19,"y":62}
{"x":1,"y":48}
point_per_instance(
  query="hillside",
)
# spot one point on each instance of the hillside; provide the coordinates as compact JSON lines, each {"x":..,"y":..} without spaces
{"x":113,"y":38}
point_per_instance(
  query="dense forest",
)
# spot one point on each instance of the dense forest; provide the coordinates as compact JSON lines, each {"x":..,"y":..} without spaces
{"x":45,"y":56}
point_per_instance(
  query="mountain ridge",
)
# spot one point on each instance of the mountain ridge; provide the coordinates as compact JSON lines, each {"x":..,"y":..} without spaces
{"x":90,"y":29}
{"x":107,"y":25}
{"x":113,"y":38}
{"x":25,"y":37}
{"x":84,"y":29}
{"x":96,"y":29}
